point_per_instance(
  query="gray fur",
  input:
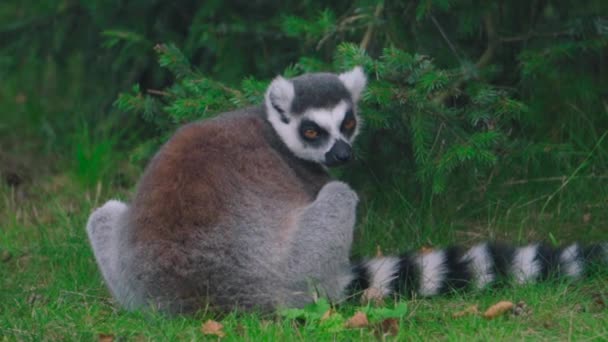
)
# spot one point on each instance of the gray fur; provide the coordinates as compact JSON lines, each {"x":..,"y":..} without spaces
{"x":321,"y":254}
{"x":228,"y":216}
{"x":106,"y":230}
{"x":322,"y":90}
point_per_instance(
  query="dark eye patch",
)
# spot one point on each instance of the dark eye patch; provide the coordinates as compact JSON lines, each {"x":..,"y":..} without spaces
{"x":349,"y":123}
{"x":320,"y":137}
{"x":281,"y":112}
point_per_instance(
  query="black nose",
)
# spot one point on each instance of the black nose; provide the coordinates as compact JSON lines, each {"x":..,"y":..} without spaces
{"x":340,"y":153}
{"x":343,"y":155}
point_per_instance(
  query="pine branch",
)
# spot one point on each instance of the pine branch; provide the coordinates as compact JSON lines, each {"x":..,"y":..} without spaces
{"x":445,"y":37}
{"x":370,"y":28}
{"x":492,"y":42}
{"x":157,"y":92}
{"x":532,"y":34}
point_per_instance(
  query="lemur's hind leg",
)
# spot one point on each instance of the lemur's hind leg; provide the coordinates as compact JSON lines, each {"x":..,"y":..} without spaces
{"x":321,"y":245}
{"x":105,"y":228}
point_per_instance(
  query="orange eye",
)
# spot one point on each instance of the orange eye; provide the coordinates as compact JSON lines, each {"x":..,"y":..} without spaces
{"x":349,"y":124}
{"x":311,"y":134}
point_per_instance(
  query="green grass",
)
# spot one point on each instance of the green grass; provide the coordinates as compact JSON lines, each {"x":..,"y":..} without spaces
{"x":52,"y":290}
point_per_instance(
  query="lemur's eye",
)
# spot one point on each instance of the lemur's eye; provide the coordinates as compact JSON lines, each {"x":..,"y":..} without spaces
{"x":311,"y":133}
{"x":349,"y":124}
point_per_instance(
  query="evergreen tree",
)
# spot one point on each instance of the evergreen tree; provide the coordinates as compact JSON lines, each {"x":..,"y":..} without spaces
{"x":464,"y":96}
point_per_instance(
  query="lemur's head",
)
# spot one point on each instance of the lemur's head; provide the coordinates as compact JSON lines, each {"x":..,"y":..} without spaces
{"x":315,"y":114}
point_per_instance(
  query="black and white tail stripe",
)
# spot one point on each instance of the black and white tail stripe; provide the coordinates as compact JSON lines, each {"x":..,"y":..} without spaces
{"x":434,"y":272}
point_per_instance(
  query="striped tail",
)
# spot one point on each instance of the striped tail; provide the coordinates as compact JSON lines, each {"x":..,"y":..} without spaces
{"x":434,"y":272}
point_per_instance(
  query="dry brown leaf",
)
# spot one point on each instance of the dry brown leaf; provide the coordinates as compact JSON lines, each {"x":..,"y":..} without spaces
{"x":498,"y":309}
{"x":471,"y":310}
{"x":426,"y":250}
{"x":105,"y":338}
{"x":389,"y":327}
{"x":212,"y":327}
{"x":359,"y":320}
{"x":372,"y":295}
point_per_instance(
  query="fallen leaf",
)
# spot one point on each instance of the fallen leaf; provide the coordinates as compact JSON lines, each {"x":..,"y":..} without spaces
{"x":105,"y":338}
{"x":372,"y":295}
{"x":426,"y":250}
{"x":359,"y":320}
{"x":471,"y":310}
{"x":212,"y":327}
{"x":388,"y":327}
{"x":498,"y":309}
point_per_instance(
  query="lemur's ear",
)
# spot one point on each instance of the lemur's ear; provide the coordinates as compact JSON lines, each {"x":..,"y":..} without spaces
{"x":279,"y":95}
{"x":355,"y":81}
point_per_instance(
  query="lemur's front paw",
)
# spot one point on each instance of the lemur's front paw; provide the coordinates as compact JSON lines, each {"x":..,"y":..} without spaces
{"x":338,"y":191}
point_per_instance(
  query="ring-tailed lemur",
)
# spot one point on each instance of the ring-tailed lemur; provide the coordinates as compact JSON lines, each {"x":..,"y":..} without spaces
{"x":238,"y":211}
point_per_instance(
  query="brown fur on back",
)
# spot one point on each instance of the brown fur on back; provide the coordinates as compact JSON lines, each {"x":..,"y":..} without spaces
{"x":196,"y":177}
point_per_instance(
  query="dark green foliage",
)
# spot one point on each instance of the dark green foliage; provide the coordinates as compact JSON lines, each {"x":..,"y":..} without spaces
{"x":464,"y":99}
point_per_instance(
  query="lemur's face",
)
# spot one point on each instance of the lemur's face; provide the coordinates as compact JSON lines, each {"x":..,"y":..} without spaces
{"x":315,"y":114}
